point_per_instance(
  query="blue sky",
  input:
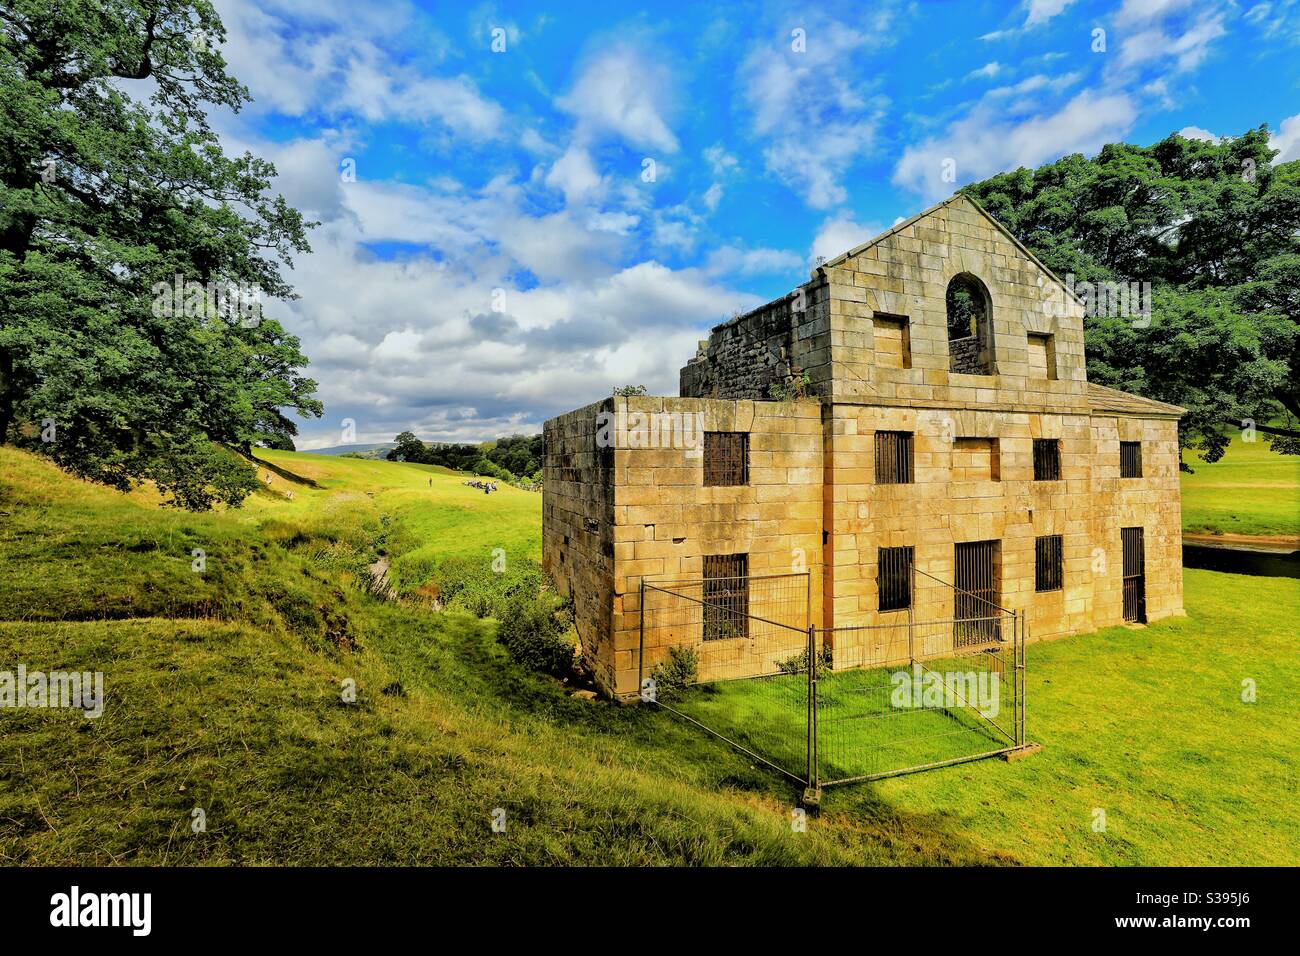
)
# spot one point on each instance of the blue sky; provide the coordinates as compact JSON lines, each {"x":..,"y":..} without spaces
{"x":524,"y":205}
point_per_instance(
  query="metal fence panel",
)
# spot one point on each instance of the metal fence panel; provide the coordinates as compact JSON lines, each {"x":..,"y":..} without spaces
{"x":738,"y":656}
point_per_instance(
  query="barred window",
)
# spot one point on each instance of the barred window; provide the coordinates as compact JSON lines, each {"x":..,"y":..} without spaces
{"x":893,"y":458}
{"x":1047,"y":459}
{"x":726,"y":458}
{"x":1047,"y":563}
{"x":726,"y":596}
{"x":894,"y":578}
{"x":1130,"y":459}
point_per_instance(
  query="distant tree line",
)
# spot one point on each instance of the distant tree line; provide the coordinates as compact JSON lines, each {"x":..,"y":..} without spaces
{"x":508,"y":459}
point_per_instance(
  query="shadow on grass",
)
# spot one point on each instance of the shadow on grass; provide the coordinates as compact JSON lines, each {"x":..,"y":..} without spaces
{"x":861,"y":824}
{"x":284,"y":473}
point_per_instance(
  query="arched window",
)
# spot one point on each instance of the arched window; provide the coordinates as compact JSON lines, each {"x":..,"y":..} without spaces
{"x":970,"y":326}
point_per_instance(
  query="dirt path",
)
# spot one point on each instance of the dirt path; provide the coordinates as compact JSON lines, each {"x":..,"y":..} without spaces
{"x":1264,"y":542}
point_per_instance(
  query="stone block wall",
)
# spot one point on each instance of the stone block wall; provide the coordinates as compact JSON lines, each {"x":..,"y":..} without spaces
{"x":773,"y":344}
{"x":662,"y":521}
{"x":873,"y":337}
{"x":954,"y":499}
{"x":578,"y":528}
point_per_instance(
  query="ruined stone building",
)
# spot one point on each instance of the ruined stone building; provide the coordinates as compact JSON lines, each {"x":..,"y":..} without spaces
{"x":946,"y":421}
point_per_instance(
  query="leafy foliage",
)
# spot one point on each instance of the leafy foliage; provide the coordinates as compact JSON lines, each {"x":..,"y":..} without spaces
{"x":107,"y":198}
{"x":679,"y":671}
{"x":1215,"y":228}
{"x":505,"y":458}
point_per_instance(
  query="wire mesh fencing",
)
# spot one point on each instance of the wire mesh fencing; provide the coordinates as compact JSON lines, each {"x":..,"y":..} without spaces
{"x":730,"y":654}
{"x":740,"y":658}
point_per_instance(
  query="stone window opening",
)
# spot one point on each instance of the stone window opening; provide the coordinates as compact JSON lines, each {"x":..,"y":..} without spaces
{"x":726,"y":596}
{"x":1047,"y":459}
{"x":970,"y":326}
{"x":894,"y":458}
{"x":1048,"y":574}
{"x":726,"y":458}
{"x":893,"y":339}
{"x":1041,"y":356}
{"x":976,"y":459}
{"x":1130,"y":459}
{"x":894,"y":578}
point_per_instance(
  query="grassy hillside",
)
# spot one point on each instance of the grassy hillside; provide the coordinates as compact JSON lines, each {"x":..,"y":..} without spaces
{"x":1250,"y":490}
{"x":223,"y":693}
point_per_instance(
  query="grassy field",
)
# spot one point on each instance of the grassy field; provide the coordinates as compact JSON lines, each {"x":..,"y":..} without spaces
{"x":223,"y":694}
{"x":1251,"y":490}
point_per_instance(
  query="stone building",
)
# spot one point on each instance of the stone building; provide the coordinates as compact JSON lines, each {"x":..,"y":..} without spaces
{"x":933,"y":410}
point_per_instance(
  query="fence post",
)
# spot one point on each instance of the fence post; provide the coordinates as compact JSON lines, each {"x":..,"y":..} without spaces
{"x":1021,"y":675}
{"x":911,"y":603}
{"x":640,"y":653}
{"x":812,"y":795}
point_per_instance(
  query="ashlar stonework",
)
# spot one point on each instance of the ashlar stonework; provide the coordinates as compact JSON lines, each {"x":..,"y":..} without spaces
{"x":908,"y":436}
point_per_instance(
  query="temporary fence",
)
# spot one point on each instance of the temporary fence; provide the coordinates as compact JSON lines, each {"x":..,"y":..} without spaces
{"x":738,"y":656}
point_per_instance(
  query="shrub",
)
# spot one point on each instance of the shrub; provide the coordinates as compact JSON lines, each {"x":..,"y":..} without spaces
{"x":673,"y":675}
{"x":470,"y":584}
{"x":534,"y":635}
{"x":799,"y":662}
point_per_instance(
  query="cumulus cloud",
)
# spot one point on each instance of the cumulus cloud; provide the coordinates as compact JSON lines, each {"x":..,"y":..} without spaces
{"x":807,"y":109}
{"x":345,"y":66}
{"x":986,"y":141}
{"x":1287,"y":139}
{"x":1187,"y":48}
{"x":839,"y":235}
{"x":624,"y":92}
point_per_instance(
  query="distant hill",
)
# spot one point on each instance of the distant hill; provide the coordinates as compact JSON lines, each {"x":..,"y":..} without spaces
{"x":370,"y":451}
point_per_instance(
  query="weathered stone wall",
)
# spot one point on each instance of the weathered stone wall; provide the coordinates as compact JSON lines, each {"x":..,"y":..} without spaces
{"x":578,"y":528}
{"x":906,"y":273}
{"x":744,"y":357}
{"x":1151,"y":502}
{"x":949,"y":503}
{"x":965,"y":355}
{"x":812,"y":484}
{"x":665,"y":520}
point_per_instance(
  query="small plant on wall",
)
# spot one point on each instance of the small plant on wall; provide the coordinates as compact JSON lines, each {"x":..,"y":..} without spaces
{"x":796,"y":388}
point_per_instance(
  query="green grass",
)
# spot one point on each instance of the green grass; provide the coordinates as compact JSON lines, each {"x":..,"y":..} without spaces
{"x":1250,"y":490}
{"x":223,"y":692}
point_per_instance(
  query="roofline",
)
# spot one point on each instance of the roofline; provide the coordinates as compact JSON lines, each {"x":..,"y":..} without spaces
{"x":1157,"y":407}
{"x":832,"y":263}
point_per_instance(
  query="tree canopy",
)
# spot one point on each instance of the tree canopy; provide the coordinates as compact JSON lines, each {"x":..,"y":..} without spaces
{"x":518,"y":456}
{"x":1215,"y":228}
{"x":135,"y":256}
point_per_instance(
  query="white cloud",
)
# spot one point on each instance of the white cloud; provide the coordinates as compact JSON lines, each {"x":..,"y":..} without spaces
{"x":1040,"y":11}
{"x":986,"y":141}
{"x":814,"y":119}
{"x":1039,"y":81}
{"x":1188,"y":49}
{"x":1037,"y":12}
{"x":987,"y":70}
{"x":839,"y":235}
{"x":1141,"y":11}
{"x":1195,"y":132}
{"x":343,"y":65}
{"x":624,"y":92}
{"x":734,"y":261}
{"x":575,"y":175}
{"x":1287,"y":139}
